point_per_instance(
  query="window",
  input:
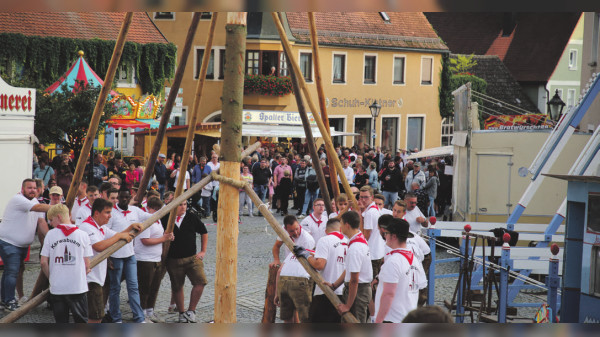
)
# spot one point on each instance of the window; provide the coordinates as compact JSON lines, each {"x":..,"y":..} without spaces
{"x":126,"y":78}
{"x":426,"y":71}
{"x":370,"y":70}
{"x":270,"y":62}
{"x":283,"y":66}
{"x":164,"y":15}
{"x":362,"y":126}
{"x":221,"y":64}
{"x":306,"y":66}
{"x":121,"y":143}
{"x":595,"y":37}
{"x":385,"y":17}
{"x":338,"y":125}
{"x":205,"y":15}
{"x":389,"y":134}
{"x":210,"y":72}
{"x":414,"y":133}
{"x":399,"y":68}
{"x":252,"y":62}
{"x":573,"y":59}
{"x":570,"y":98}
{"x":447,"y":131}
{"x":339,"y":68}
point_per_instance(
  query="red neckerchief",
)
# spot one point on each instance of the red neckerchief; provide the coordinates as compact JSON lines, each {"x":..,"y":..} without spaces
{"x":318,"y":222}
{"x":124,"y":212}
{"x":67,"y":230}
{"x":92,"y":222}
{"x":80,"y":201}
{"x":406,"y":253}
{"x":88,"y":205}
{"x":339,"y":236}
{"x":358,"y":238}
{"x":178,"y":218}
{"x":373,"y":206}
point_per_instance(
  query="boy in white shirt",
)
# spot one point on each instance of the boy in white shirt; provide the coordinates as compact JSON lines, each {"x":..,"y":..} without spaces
{"x":85,"y":211}
{"x":379,"y":200}
{"x":341,"y":206}
{"x":65,"y":261}
{"x":315,"y":223}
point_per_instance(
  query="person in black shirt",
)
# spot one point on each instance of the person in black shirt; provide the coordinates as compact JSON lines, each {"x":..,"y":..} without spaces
{"x":361,"y":178}
{"x":160,"y":171}
{"x":391,"y":183}
{"x":182,"y":260}
{"x":262,"y":177}
{"x":300,"y":186}
{"x":284,"y":191}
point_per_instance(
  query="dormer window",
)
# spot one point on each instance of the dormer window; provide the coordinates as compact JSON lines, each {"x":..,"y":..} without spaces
{"x":385,"y":17}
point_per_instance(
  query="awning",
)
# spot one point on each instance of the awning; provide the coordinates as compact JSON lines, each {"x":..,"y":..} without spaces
{"x":154,"y":123}
{"x":126,"y":123}
{"x":273,"y":131}
{"x":433,"y":152}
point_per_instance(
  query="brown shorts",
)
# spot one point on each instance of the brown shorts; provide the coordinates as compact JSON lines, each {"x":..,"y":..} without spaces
{"x":361,"y":303}
{"x":376,"y":264}
{"x":95,"y":301}
{"x":191,"y":267}
{"x":295,"y":293}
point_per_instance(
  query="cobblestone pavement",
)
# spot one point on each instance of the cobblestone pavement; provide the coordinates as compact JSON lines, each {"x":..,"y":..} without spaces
{"x":256,"y":239}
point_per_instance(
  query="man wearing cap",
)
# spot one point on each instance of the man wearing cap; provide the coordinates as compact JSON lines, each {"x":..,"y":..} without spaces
{"x":160,"y":172}
{"x":55,"y":194}
{"x":414,"y":176}
{"x":400,"y":278}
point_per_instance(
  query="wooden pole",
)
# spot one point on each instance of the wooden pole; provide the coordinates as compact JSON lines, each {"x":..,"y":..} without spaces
{"x":166,"y":115}
{"x":310,"y":140}
{"x":319,"y":80}
{"x":270,"y":310}
{"x":194,"y":114}
{"x":232,"y":102}
{"x":37,"y":300}
{"x":328,"y":143}
{"x":347,"y":317}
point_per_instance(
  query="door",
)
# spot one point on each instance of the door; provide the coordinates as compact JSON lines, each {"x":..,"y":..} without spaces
{"x":492,"y":193}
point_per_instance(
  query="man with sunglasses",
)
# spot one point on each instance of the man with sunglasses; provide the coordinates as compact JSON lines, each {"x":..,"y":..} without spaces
{"x":414,"y":216}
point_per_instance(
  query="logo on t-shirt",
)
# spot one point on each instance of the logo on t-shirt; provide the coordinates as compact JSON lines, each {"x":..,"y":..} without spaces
{"x":66,"y":259}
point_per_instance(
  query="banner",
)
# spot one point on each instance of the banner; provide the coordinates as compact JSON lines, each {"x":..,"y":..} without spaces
{"x":518,"y":122}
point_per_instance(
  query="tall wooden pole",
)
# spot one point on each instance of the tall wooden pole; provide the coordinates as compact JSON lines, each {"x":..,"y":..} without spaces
{"x":319,"y":80}
{"x":194,"y":115}
{"x":98,"y":110}
{"x":310,"y":140}
{"x":328,"y":143}
{"x":232,"y":103}
{"x":166,"y":115}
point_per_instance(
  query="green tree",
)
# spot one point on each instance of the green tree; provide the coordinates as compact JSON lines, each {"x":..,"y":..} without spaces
{"x":64,"y":117}
{"x":461,"y":64}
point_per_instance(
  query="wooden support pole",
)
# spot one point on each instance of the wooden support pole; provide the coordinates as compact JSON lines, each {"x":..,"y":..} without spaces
{"x":328,"y":143}
{"x":270,"y":310}
{"x":42,"y":281}
{"x":312,"y":148}
{"x":166,"y":115}
{"x":232,"y":102}
{"x":39,"y":299}
{"x":335,"y":188}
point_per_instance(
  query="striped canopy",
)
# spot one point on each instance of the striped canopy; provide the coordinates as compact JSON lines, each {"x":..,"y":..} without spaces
{"x":79,"y":71}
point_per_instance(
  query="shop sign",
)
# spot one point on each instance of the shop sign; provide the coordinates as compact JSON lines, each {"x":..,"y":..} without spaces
{"x":338,"y":102}
{"x":16,"y":101}
{"x":518,"y":122}
{"x":275,"y":117}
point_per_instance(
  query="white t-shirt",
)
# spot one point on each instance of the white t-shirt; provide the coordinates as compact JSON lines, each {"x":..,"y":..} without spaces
{"x":292,"y":267}
{"x":314,"y":227}
{"x":83,"y":213}
{"x":187,"y":177}
{"x":120,"y":220}
{"x":386,"y":211}
{"x":150,"y":253}
{"x":304,"y":240}
{"x":333,"y":215}
{"x":332,"y":248}
{"x":214,"y":167}
{"x":98,"y":273}
{"x":376,"y":243}
{"x":66,"y":260}
{"x":77,"y":204}
{"x":19,"y":224}
{"x":407,"y":272}
{"x":419,"y":246}
{"x":358,"y":259}
{"x":349,"y":173}
{"x":411,"y":218}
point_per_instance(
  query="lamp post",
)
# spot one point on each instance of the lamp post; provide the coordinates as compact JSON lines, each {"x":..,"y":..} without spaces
{"x":375,"y":108}
{"x":555,"y":107}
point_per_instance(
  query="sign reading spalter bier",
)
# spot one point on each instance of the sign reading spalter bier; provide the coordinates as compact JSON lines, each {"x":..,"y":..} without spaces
{"x":16,"y":101}
{"x":275,"y":117}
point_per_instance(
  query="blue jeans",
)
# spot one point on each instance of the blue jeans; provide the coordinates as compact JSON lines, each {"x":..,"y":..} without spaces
{"x":161,"y":190}
{"x":309,"y":198}
{"x":390,"y":198}
{"x":261,"y":191}
{"x":205,"y":204}
{"x":431,"y":209}
{"x":128,"y":265}
{"x":11,"y":256}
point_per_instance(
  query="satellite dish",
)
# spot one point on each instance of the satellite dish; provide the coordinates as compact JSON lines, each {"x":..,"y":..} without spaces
{"x":523,"y":172}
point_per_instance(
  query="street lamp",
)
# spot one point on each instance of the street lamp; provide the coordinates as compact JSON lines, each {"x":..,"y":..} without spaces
{"x":555,"y":107}
{"x":375,"y":108}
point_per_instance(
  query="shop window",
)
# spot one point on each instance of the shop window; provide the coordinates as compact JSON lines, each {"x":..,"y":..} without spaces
{"x":338,"y":125}
{"x":362,"y":126}
{"x":164,"y":15}
{"x":389,"y":134}
{"x":370,"y":68}
{"x":570,"y":98}
{"x":306,"y":66}
{"x":414,"y":133}
{"x":210,"y":72}
{"x":399,"y":69}
{"x":339,"y":68}
{"x":426,"y":71}
{"x":252,"y":62}
{"x":447,"y":131}
{"x":595,"y":272}
{"x":221,"y":64}
{"x":283,"y":66}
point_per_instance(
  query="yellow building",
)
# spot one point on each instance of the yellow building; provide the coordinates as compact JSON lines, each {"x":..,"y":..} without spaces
{"x":394,"y":58}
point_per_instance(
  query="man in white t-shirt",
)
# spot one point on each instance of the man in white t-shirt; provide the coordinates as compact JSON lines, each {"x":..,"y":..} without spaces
{"x":17,"y":232}
{"x":299,"y":237}
{"x":414,"y":216}
{"x":148,"y":249}
{"x":379,"y":200}
{"x":84,"y":212}
{"x":65,"y":259}
{"x":101,"y":238}
{"x":80,"y":199}
{"x":359,"y":272}
{"x":400,"y":278}
{"x":294,"y":290}
{"x":329,"y":261}
{"x":348,"y":172}
{"x":186,"y":183}
{"x":315,"y":223}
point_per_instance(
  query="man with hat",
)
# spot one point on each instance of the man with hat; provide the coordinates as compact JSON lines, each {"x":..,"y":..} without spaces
{"x":55,"y":194}
{"x":401,"y":276}
{"x":160,"y":172}
{"x":414,"y":176}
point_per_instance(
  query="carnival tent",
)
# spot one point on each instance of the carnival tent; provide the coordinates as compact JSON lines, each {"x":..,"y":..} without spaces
{"x":79,"y":72}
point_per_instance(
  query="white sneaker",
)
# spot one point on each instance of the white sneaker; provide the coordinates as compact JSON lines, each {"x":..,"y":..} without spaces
{"x":172,"y":308}
{"x":23,"y":299}
{"x":182,"y":318}
{"x":190,"y":316}
{"x":155,"y":318}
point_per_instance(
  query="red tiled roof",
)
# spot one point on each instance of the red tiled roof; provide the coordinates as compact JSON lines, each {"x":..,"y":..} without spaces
{"x":103,"y":25}
{"x":531,"y":52}
{"x":405,"y":30}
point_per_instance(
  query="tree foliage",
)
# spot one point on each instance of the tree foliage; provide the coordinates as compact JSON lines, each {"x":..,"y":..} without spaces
{"x":64,"y":117}
{"x":451,"y":82}
{"x":462,"y":64}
